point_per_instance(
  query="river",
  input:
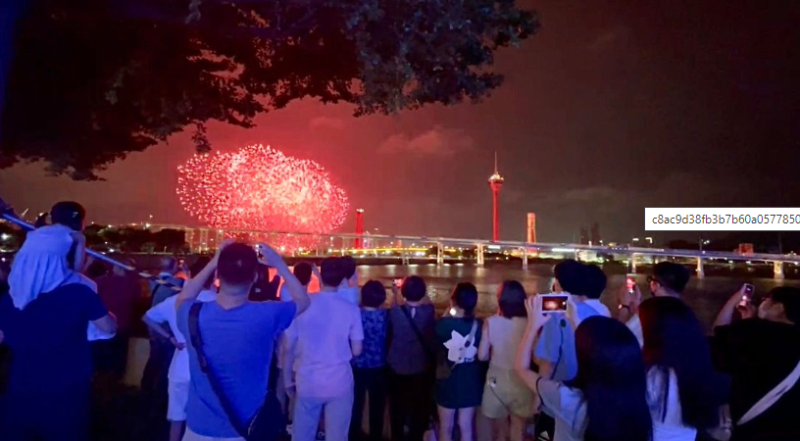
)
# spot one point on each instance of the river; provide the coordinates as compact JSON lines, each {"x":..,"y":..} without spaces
{"x":705,"y":296}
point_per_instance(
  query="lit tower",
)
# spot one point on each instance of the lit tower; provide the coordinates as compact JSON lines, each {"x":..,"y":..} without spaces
{"x":359,"y":228}
{"x":495,"y":183}
{"x":531,"y":227}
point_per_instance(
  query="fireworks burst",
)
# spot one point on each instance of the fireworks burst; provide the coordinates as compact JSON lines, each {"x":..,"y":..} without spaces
{"x":260,"y":188}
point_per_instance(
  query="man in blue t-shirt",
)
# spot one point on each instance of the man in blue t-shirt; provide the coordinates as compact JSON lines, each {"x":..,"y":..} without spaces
{"x":555,"y":349}
{"x":51,"y":366}
{"x":238,"y":339}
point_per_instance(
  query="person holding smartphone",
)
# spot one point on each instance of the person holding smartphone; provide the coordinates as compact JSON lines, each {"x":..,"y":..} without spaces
{"x":606,"y":399}
{"x":668,"y":280}
{"x":555,"y":351}
{"x":761,"y":353}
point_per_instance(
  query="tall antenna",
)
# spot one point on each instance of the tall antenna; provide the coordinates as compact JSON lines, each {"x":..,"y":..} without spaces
{"x":495,"y":163}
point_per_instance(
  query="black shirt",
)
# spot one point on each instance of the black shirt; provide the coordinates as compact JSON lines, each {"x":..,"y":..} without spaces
{"x":759,"y":354}
{"x":48,"y":340}
{"x":264,"y":290}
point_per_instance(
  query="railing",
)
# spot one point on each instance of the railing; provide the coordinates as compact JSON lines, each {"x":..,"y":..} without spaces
{"x":563,"y":248}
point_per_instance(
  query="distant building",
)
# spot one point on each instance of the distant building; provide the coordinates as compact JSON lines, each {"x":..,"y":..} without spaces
{"x":745,"y":248}
{"x":595,"y":237}
{"x":531,"y":227}
{"x":584,"y":236}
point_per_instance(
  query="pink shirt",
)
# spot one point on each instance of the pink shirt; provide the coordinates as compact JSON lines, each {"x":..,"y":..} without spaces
{"x":321,"y":336}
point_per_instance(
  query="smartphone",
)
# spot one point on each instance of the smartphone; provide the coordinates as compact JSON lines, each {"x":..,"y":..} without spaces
{"x":748,"y":294}
{"x":453,"y":312}
{"x":631,"y":284}
{"x":552,"y":303}
{"x":397,"y":282}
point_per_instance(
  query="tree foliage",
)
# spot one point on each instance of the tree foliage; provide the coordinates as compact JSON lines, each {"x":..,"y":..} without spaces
{"x":94,"y":80}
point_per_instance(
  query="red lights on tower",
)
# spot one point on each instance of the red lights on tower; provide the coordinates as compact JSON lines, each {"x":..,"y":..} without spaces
{"x":495,"y":183}
{"x":359,"y":228}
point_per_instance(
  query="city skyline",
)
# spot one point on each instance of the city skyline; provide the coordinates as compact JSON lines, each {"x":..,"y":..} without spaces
{"x":609,"y":109}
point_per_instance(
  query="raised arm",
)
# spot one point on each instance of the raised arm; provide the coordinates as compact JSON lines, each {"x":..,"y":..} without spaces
{"x":396,"y":299}
{"x":299,"y":295}
{"x":193,"y":287}
{"x":628,"y":302}
{"x":536,"y":320}
{"x":725,"y":316}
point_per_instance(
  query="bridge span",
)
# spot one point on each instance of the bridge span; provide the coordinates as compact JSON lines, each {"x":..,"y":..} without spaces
{"x":405,"y":247}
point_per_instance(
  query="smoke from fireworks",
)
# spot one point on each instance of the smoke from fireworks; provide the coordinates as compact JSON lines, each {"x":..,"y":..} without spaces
{"x":260,"y":188}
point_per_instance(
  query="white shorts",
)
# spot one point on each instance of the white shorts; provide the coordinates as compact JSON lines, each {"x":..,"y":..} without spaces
{"x":191,"y":436}
{"x":178,"y":397}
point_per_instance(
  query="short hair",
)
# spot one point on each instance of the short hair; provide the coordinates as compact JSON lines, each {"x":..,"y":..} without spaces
{"x":569,"y":274}
{"x":465,"y":296}
{"x":594,"y":281}
{"x":413,"y":288}
{"x":332,"y":271}
{"x":237,"y":264}
{"x":789,"y":297}
{"x":348,"y":266}
{"x":373,"y":294}
{"x":169,"y":263}
{"x":302,"y":271}
{"x":198,"y":266}
{"x":511,"y":299}
{"x":671,"y":275}
{"x":68,"y":213}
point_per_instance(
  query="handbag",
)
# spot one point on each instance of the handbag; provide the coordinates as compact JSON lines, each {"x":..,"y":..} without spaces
{"x":724,"y":430}
{"x":268,"y":423}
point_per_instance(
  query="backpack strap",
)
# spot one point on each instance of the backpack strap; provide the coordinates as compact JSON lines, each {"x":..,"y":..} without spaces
{"x":425,"y":347}
{"x":197,"y":343}
{"x":771,"y":397}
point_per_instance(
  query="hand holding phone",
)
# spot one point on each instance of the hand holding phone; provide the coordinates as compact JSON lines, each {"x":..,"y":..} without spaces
{"x":553,"y":303}
{"x":630,"y":283}
{"x":747,"y":294}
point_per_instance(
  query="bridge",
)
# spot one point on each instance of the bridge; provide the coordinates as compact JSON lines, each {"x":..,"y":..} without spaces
{"x":403,"y":248}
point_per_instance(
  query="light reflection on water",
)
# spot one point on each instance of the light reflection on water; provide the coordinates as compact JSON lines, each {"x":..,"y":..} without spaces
{"x":705,"y":296}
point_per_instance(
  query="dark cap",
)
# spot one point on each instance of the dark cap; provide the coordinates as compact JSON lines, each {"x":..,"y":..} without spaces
{"x":68,"y":213}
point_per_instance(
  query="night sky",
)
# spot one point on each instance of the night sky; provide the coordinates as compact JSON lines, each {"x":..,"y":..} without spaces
{"x":613,"y":106}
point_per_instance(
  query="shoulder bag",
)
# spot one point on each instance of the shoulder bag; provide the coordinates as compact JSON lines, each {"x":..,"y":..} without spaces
{"x":267,"y":424}
{"x":725,"y":429}
{"x":442,"y":371}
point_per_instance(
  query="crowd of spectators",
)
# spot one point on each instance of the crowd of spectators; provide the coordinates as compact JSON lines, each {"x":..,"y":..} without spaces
{"x":236,"y":355}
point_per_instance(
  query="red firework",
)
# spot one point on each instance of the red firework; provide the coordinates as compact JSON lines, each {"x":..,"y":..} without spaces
{"x":259,"y":188}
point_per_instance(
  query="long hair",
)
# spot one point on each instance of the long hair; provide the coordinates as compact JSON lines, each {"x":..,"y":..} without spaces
{"x":511,"y":299}
{"x":611,"y":375}
{"x":465,"y":296}
{"x":674,"y":339}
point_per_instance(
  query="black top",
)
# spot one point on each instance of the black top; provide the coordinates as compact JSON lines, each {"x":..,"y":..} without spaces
{"x":265,"y":290}
{"x":50,"y":351}
{"x":759,"y":354}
